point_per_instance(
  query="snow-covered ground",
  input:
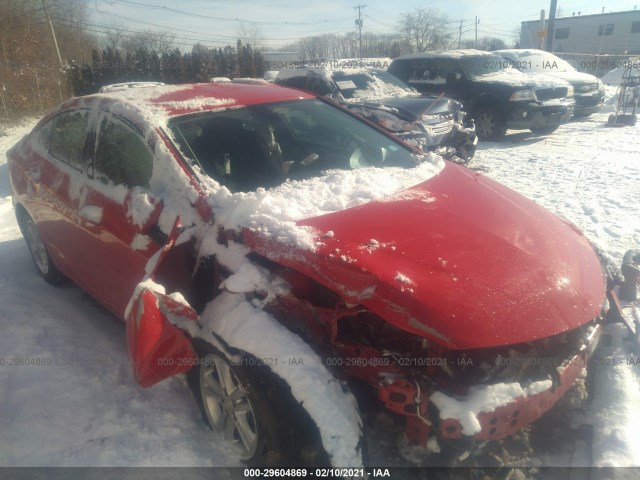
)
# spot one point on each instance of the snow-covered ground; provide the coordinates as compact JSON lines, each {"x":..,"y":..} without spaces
{"x":85,"y":409}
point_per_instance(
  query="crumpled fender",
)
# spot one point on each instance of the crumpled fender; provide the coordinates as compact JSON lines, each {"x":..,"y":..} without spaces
{"x":157,"y":348}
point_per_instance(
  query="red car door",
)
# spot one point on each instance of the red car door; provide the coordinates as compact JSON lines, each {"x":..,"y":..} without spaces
{"x":116,"y":251}
{"x":49,"y":177}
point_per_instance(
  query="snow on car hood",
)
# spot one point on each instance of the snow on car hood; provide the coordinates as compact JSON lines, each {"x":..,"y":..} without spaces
{"x":458,"y":259}
{"x":276,"y":212}
{"x":574,"y":78}
{"x":512,"y":77}
{"x":410,"y":108}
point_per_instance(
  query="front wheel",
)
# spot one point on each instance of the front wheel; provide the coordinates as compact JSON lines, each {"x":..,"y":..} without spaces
{"x":490,"y":123}
{"x":253,"y":410}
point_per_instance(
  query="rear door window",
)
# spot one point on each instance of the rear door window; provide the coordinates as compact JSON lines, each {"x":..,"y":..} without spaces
{"x":122,"y":156}
{"x":67,"y":138}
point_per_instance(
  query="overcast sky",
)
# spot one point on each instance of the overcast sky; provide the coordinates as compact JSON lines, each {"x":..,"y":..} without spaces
{"x":283,"y":21}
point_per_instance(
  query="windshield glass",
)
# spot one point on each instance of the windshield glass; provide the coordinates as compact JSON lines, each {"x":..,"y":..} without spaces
{"x":540,"y":63}
{"x":263,"y":145}
{"x":479,"y":66}
{"x":370,"y":84}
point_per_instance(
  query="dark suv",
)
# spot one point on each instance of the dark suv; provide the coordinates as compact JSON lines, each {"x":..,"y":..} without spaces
{"x":430,"y":122}
{"x":496,"y":95}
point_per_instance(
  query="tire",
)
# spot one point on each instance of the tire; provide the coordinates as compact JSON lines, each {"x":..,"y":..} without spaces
{"x":545,"y":130}
{"x":254,"y":410}
{"x":490,"y":123}
{"x":38,"y":250}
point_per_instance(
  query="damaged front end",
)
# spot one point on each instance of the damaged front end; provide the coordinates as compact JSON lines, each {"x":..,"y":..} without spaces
{"x":455,"y":396}
{"x":443,"y":127}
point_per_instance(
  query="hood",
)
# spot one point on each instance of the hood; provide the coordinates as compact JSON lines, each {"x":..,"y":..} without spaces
{"x":512,"y":78}
{"x":407,"y":108}
{"x":458,"y":259}
{"x":574,"y":78}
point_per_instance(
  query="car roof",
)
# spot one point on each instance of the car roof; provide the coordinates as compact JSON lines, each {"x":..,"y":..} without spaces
{"x":470,"y":52}
{"x":196,"y":97}
{"x":115,"y":87}
{"x":522,"y":51}
{"x":154,"y":103}
{"x":324,"y":71}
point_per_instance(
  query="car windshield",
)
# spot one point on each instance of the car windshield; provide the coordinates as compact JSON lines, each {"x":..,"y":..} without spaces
{"x":370,"y":84}
{"x":540,"y":63}
{"x":478,"y":66}
{"x":264,"y":145}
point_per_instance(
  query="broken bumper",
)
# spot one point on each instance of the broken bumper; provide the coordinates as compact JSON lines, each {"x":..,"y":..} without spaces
{"x":507,"y":419}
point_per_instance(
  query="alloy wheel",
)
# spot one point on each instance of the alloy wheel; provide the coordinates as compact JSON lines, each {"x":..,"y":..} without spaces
{"x":37,"y":248}
{"x":227,"y":405}
{"x":486,"y":124}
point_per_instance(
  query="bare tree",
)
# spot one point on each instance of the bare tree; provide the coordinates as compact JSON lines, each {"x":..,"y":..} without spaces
{"x":159,"y":41}
{"x":486,"y":43}
{"x":250,"y":34}
{"x":113,"y":37}
{"x":425,"y":29}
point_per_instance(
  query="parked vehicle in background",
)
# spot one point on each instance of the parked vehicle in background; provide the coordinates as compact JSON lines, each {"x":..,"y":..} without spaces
{"x":497,"y":96}
{"x":117,"y":87}
{"x":588,"y":91}
{"x":275,"y":247}
{"x":270,"y":75}
{"x":615,"y":76}
{"x":431,"y":123}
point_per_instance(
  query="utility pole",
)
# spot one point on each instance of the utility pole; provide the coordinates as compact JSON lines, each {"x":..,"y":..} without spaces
{"x":359,"y":23}
{"x":460,"y":34}
{"x":551,"y":26}
{"x":475,"y":43}
{"x":53,"y":33}
{"x":541,"y":31}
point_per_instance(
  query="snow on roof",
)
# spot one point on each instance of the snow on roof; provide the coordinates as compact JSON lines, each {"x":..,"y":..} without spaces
{"x":116,"y":87}
{"x":446,"y":54}
{"x":171,"y":100}
{"x":376,"y":88}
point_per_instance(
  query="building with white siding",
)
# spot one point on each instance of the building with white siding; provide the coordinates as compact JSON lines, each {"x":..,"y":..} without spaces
{"x":616,"y":33}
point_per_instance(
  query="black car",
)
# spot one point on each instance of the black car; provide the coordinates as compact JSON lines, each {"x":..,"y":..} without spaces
{"x":588,"y":90}
{"x":496,"y":95}
{"x":431,"y":123}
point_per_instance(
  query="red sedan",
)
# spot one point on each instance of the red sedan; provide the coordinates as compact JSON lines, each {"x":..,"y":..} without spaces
{"x":281,"y":250}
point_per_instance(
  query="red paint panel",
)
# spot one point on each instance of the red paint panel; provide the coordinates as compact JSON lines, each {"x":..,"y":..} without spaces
{"x":157,"y":348}
{"x":488,"y":267}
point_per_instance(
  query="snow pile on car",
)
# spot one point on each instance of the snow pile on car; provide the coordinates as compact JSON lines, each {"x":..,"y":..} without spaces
{"x":275,"y":211}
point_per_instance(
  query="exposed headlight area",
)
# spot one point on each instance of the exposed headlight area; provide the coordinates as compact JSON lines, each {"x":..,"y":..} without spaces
{"x":523,"y":95}
{"x":570,"y":91}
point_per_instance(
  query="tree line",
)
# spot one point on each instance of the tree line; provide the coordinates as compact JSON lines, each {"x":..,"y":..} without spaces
{"x":419,"y":30}
{"x":144,"y":63}
{"x":33,"y":79}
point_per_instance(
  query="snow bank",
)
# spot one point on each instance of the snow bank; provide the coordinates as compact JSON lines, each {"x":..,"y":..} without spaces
{"x":615,"y":408}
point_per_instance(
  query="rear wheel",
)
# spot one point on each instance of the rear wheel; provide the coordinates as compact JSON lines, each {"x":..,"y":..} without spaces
{"x":39,"y":254}
{"x":490,"y":123}
{"x":253,"y":410}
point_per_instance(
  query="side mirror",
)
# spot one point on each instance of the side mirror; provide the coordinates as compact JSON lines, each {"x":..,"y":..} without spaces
{"x":142,"y":209}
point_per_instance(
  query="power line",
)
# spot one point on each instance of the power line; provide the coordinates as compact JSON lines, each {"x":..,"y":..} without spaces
{"x":188,"y":31}
{"x":215,"y":18}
